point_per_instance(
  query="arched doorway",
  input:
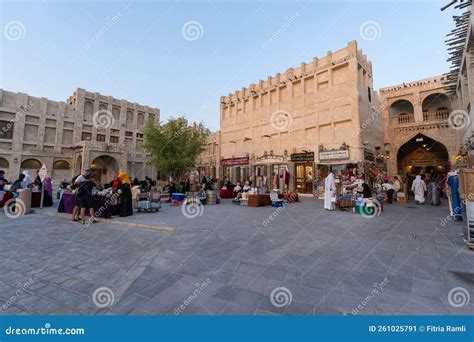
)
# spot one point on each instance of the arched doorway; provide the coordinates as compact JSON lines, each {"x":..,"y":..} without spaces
{"x":422,"y":155}
{"x":61,"y":170}
{"x":31,"y":165}
{"x":105,"y":167}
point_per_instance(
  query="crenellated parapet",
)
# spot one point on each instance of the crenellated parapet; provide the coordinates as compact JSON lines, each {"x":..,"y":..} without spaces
{"x":426,"y":83}
{"x":316,"y":66}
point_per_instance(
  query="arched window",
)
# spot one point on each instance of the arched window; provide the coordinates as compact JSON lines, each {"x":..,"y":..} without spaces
{"x":31,"y":164}
{"x":129,"y":121}
{"x":61,"y":165}
{"x":88,"y":111}
{"x":116,"y":114}
{"x":4,"y":163}
{"x":436,"y":102}
{"x":401,"y":107}
{"x":140,"y":120}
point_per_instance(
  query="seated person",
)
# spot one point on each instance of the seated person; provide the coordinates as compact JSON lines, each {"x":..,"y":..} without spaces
{"x":238,"y":188}
{"x":17,"y":185}
{"x":246,"y":187}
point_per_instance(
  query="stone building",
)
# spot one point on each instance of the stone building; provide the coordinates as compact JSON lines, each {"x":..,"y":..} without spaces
{"x":418,"y":135}
{"x":321,"y":114}
{"x":208,"y":161}
{"x":89,"y":130}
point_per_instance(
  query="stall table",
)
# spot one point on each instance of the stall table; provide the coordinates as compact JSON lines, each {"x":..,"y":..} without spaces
{"x":102,"y":205}
{"x":227,"y":193}
{"x":291,"y":197}
{"x":35,"y":199}
{"x":345,"y":204}
{"x":259,"y":200}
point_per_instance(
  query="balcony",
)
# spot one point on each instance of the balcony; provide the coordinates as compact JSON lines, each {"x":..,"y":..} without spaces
{"x":438,"y":115}
{"x":406,"y":118}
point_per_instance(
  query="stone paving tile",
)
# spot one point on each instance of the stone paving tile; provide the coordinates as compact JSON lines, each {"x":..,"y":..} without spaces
{"x":329,"y":261}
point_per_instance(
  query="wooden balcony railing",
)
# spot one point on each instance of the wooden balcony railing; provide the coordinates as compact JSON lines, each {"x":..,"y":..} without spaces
{"x":406,"y":118}
{"x":439,"y":115}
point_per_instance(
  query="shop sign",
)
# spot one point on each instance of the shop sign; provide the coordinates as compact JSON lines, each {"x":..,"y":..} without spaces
{"x":369,"y":155}
{"x":269,"y":159}
{"x":336,"y":154}
{"x":235,"y":161}
{"x":426,"y":161}
{"x":302,"y":157}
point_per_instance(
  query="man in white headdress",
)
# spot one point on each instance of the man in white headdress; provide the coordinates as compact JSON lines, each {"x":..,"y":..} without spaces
{"x":419,"y":188}
{"x":329,"y":192}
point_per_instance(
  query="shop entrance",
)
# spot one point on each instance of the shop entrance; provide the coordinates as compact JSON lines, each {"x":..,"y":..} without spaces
{"x":304,"y":178}
{"x":105,"y":168}
{"x":422,"y":155}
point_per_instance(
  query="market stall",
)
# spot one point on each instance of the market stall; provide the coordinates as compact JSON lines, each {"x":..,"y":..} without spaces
{"x":102,"y":205}
{"x":35,"y":199}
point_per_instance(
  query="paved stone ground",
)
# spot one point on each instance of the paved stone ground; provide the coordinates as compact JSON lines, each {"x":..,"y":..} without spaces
{"x":227,"y":262}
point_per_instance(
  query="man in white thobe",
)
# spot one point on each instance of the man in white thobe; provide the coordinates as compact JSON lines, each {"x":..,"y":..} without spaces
{"x":329,"y":192}
{"x":419,"y":188}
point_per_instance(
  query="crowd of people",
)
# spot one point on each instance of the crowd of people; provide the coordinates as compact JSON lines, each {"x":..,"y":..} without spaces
{"x":25,"y":181}
{"x":121,"y":188}
{"x":390,"y":187}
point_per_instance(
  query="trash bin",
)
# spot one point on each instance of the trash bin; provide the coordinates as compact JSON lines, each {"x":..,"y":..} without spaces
{"x":23,"y":201}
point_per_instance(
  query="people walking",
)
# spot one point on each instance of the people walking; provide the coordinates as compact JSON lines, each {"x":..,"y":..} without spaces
{"x":85,"y":199}
{"x":419,"y":188}
{"x":329,"y":192}
{"x":434,"y":192}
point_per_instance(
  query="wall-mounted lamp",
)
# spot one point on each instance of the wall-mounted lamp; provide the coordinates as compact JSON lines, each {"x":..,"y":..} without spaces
{"x":15,"y":160}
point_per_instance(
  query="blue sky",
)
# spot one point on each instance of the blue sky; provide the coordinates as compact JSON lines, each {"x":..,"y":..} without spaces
{"x":137,"y":50}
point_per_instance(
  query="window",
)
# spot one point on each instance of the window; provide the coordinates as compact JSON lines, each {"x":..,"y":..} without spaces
{"x":369,"y":94}
{"x":100,"y":137}
{"x":6,"y":129}
{"x":114,"y":140}
{"x":140,"y":135}
{"x":86,"y":136}
{"x":129,"y":134}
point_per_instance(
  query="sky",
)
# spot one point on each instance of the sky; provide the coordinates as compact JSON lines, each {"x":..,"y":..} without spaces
{"x":181,"y":56}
